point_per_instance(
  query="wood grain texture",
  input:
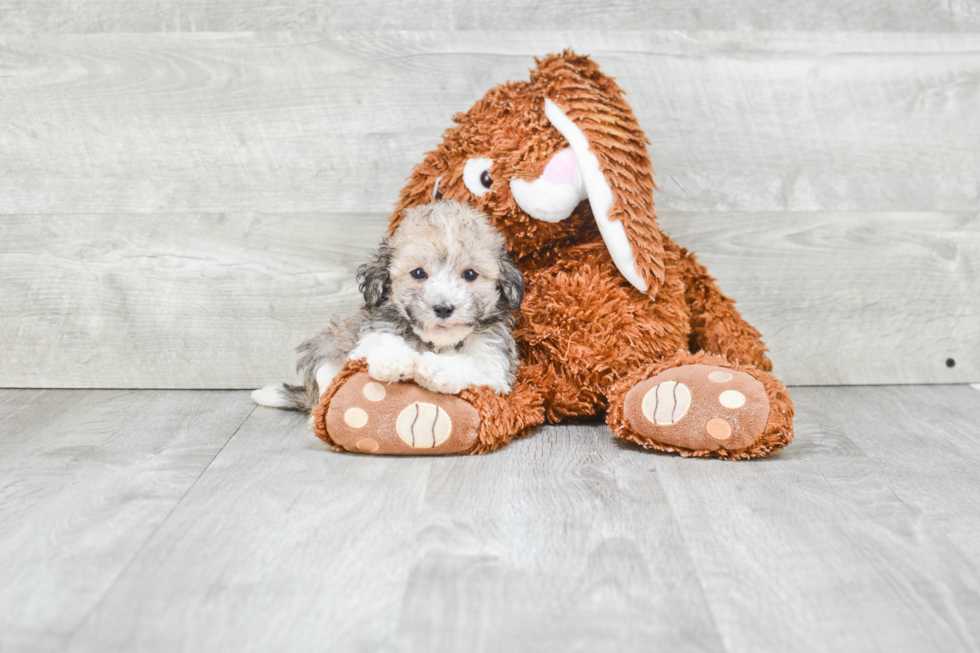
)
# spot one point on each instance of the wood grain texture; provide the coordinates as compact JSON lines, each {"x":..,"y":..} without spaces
{"x":929,"y":462}
{"x":309,"y":122}
{"x":24,"y":16}
{"x":172,"y":301}
{"x":179,"y":210}
{"x":286,"y":546}
{"x":821,"y":519}
{"x":850,"y":539}
{"x":848,"y":298}
{"x":199,"y":301}
{"x":85,"y":479}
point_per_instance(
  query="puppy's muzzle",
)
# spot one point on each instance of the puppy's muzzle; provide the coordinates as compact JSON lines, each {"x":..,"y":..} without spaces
{"x":443,"y":311}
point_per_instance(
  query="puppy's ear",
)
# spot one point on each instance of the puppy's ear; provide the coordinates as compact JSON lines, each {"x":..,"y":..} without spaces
{"x":511,"y":283}
{"x":373,"y":279}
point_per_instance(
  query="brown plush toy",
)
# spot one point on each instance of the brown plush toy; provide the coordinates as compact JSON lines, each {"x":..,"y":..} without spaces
{"x":616,"y":317}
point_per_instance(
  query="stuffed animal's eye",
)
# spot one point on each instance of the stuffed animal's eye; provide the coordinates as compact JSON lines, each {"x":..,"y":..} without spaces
{"x":476,"y":176}
{"x":418,"y":274}
{"x":470,"y":275}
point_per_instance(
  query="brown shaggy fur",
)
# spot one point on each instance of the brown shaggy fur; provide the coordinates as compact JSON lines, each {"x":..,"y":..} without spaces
{"x":320,"y":412}
{"x":585,"y":334}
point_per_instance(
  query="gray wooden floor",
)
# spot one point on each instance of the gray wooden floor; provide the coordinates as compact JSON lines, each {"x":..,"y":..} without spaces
{"x":190,"y":520}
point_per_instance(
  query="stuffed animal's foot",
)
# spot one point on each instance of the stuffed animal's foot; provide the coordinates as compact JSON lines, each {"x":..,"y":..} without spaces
{"x":699,"y":407}
{"x":367,"y":416}
{"x":708,"y":410}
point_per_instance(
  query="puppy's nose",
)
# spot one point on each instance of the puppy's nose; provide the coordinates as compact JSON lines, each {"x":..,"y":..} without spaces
{"x":444,"y":310}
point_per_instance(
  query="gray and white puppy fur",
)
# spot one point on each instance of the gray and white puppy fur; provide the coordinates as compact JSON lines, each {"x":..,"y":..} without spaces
{"x":439,"y":298}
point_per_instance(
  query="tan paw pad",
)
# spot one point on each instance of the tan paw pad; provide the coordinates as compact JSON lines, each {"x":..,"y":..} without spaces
{"x":374,"y":391}
{"x":666,"y":403}
{"x":356,"y":417}
{"x":731,"y":399}
{"x":367,"y":445}
{"x":718,"y":428}
{"x":423,"y":426}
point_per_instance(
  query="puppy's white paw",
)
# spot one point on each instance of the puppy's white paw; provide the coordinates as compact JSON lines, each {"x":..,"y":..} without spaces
{"x":392,"y":366}
{"x":441,"y":374}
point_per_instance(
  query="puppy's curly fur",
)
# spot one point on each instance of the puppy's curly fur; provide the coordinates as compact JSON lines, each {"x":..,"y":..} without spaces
{"x":439,"y":298}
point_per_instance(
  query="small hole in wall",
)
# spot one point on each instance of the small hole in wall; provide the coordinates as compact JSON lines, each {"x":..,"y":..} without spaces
{"x":950,"y":362}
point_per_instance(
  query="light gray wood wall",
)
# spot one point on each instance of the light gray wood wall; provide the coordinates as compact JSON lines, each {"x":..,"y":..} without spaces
{"x":71,"y":16}
{"x":181,"y":209}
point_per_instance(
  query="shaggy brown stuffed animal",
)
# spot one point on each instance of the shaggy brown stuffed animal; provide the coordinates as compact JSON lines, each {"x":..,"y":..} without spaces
{"x":616,"y":318}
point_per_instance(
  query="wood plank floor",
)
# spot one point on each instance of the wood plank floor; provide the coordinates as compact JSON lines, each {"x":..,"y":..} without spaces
{"x":192,"y":521}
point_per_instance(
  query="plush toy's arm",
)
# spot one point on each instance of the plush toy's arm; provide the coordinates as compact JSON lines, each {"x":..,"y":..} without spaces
{"x":716,"y":325}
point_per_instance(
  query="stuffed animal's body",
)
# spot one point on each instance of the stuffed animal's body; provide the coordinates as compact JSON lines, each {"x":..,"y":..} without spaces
{"x":616,"y":317}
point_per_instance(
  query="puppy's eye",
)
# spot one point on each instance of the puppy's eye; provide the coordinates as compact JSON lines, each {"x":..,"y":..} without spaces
{"x":485,"y":179}
{"x":418,"y":274}
{"x":470,"y":275}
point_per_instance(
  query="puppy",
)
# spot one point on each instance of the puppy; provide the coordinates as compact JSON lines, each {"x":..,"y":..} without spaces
{"x":438,"y":303}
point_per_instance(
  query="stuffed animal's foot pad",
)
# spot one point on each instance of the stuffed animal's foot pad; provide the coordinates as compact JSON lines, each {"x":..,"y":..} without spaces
{"x":366,"y":416}
{"x":699,"y":407}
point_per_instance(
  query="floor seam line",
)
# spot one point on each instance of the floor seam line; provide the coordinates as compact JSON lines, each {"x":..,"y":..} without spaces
{"x":694,"y":567}
{"x":139,"y":551}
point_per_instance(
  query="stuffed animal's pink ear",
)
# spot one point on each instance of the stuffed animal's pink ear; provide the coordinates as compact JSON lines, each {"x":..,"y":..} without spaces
{"x":588,"y":109}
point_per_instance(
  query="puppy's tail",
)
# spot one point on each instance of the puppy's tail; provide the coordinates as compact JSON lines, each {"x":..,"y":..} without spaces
{"x":284,"y":396}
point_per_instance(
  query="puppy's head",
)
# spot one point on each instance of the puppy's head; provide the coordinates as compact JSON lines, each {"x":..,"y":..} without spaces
{"x":446,"y":271}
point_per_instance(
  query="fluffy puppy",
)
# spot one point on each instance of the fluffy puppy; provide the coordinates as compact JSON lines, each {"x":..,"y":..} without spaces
{"x":438,"y":303}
